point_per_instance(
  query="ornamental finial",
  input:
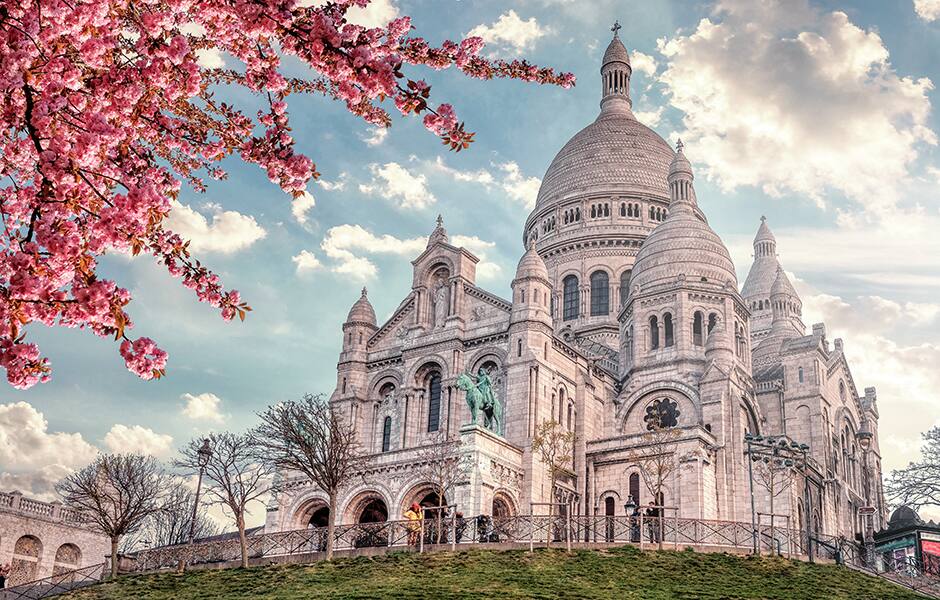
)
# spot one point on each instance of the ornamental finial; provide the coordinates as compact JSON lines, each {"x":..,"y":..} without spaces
{"x":616,"y":28}
{"x":440,"y":221}
{"x":763,"y":218}
{"x":679,"y":145}
{"x":365,"y":292}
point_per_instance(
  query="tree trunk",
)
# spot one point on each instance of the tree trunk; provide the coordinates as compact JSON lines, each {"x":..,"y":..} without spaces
{"x":551,"y":505}
{"x":114,"y":551}
{"x":331,"y":526}
{"x":241,"y":539}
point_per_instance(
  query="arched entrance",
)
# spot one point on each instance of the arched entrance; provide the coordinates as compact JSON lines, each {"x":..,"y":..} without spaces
{"x":320,"y":517}
{"x":373,"y":511}
{"x":67,"y":558}
{"x":25,"y":564}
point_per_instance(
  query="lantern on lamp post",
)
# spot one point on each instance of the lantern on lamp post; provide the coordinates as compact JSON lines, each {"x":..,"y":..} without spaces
{"x":865,"y":436}
{"x":203,"y":455}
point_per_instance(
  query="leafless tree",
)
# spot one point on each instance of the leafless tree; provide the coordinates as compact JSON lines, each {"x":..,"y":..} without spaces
{"x":170,"y":526}
{"x":554,"y":446}
{"x":310,"y":437}
{"x":116,"y":493}
{"x":444,"y":465}
{"x":234,"y":477}
{"x":918,"y":484}
{"x":774,"y":476}
{"x":655,"y":457}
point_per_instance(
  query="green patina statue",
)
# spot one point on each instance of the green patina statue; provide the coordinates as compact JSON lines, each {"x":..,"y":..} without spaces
{"x":482,"y":399}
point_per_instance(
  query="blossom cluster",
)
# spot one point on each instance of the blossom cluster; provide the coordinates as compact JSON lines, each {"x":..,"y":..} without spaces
{"x":106,"y":112}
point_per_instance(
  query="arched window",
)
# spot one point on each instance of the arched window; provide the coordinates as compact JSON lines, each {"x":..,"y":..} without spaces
{"x":571,"y":299}
{"x":577,"y":214}
{"x":623,"y":209}
{"x":386,"y":434}
{"x":697,"y":328}
{"x":842,"y":391}
{"x":593,"y":211}
{"x":800,"y":374}
{"x":606,"y":209}
{"x":624,"y":287}
{"x":668,"y":335}
{"x":654,"y":332}
{"x":600,"y":293}
{"x":434,"y":402}
{"x":569,"y":417}
{"x":662,"y":414}
{"x":635,"y":487}
{"x":712,"y":320}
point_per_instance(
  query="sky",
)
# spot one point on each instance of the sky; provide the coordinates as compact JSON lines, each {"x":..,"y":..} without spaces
{"x":819,"y":115}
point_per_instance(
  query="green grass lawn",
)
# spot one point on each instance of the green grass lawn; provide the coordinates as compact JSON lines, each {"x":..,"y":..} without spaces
{"x":618,"y":573}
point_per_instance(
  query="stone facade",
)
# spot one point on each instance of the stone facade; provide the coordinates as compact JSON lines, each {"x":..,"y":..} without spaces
{"x":625,"y":304}
{"x":39,"y":539}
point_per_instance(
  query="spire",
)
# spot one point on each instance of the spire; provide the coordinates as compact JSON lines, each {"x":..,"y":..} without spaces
{"x":765,"y":244}
{"x":365,"y":292}
{"x":439,"y":234}
{"x":615,"y":74}
{"x":681,"y":190}
{"x":784,"y":303}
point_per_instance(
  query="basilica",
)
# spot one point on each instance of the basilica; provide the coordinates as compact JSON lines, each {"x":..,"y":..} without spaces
{"x":625,"y":309}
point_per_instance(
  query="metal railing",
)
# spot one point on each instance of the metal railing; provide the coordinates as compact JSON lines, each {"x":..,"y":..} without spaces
{"x":56,"y":584}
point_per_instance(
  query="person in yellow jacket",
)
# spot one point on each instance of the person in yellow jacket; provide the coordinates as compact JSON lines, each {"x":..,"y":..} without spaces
{"x":413,"y":515}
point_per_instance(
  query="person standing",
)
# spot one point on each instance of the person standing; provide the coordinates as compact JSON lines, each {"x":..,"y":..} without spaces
{"x":413,"y":516}
{"x":4,"y":573}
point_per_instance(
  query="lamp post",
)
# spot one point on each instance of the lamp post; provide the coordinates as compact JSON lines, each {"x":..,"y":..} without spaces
{"x":628,"y":507}
{"x":203,"y":455}
{"x":777,"y":451}
{"x":864,"y":437}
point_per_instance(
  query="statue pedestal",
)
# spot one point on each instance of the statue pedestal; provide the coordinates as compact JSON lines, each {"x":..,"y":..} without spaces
{"x":495,"y":467}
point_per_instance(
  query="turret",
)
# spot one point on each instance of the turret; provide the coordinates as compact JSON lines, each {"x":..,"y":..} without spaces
{"x":531,"y":289}
{"x":681,"y":179}
{"x":785,"y":306}
{"x":719,"y":346}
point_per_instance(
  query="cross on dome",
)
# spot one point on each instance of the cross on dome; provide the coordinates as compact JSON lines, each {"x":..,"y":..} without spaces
{"x":616,"y":28}
{"x":365,"y":292}
{"x":679,"y":145}
{"x":440,"y":221}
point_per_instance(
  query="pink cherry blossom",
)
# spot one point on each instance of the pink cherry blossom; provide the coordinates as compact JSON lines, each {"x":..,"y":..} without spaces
{"x":106,"y":112}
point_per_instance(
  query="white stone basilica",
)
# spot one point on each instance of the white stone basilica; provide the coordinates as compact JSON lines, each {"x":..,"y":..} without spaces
{"x":625,"y":304}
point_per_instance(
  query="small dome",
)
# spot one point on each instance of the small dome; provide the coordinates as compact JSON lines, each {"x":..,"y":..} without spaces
{"x":680,"y":164}
{"x":616,"y":52}
{"x":683,"y":245}
{"x":782,"y":285}
{"x":763,"y":232}
{"x":362,"y":311}
{"x":904,"y":516}
{"x":531,"y":265}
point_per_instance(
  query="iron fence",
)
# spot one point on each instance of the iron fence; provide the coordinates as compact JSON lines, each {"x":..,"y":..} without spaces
{"x":59,"y":583}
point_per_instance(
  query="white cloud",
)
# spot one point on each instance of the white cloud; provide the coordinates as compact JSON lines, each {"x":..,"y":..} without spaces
{"x":375,"y":136}
{"x":228,"y":232}
{"x":520,"y":188}
{"x":136,"y":439}
{"x":306,"y":261}
{"x":510,"y":32}
{"x":650,"y":118}
{"x":203,"y":407}
{"x":376,"y":14}
{"x":781,"y":96}
{"x":210,"y":58}
{"x":339,"y":185}
{"x":512,"y":182}
{"x":345,"y":244}
{"x":644,"y":63}
{"x":350,"y":247}
{"x":928,"y":10}
{"x":26,"y":443}
{"x":301,"y":205}
{"x":395,"y":182}
{"x":485,"y":268}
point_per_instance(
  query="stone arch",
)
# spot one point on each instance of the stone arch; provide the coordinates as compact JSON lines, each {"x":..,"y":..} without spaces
{"x":368,"y":506}
{"x":503,"y":501}
{"x":480,"y":357}
{"x":686,"y":396}
{"x":420,"y":492}
{"x":27,"y":552}
{"x":68,"y":557}
{"x":380,"y":379}
{"x":435,"y":266}
{"x":418,"y":373}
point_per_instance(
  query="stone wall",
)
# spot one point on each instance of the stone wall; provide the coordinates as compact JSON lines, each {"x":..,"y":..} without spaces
{"x":39,"y":539}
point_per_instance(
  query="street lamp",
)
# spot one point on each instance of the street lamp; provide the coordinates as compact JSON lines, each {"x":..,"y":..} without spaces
{"x":779,"y":451}
{"x":202,"y":458}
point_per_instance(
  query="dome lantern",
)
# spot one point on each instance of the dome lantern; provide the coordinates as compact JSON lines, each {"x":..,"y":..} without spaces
{"x":615,"y":73}
{"x":680,"y":179}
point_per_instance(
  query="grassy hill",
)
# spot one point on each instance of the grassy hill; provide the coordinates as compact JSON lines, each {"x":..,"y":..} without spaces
{"x":618,"y":573}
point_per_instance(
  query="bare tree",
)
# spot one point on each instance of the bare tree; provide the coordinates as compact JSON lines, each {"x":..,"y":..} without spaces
{"x":310,"y":437}
{"x":775,"y":477}
{"x":234,"y":477}
{"x":918,"y":484}
{"x":655,"y":456}
{"x":170,"y":526}
{"x":554,"y":446}
{"x":117,"y":493}
{"x":444,"y":465}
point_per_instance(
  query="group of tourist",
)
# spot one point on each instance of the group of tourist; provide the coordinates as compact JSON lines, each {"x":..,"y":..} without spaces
{"x":4,"y":573}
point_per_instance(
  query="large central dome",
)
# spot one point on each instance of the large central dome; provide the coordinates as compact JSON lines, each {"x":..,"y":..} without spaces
{"x":614,"y":153}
